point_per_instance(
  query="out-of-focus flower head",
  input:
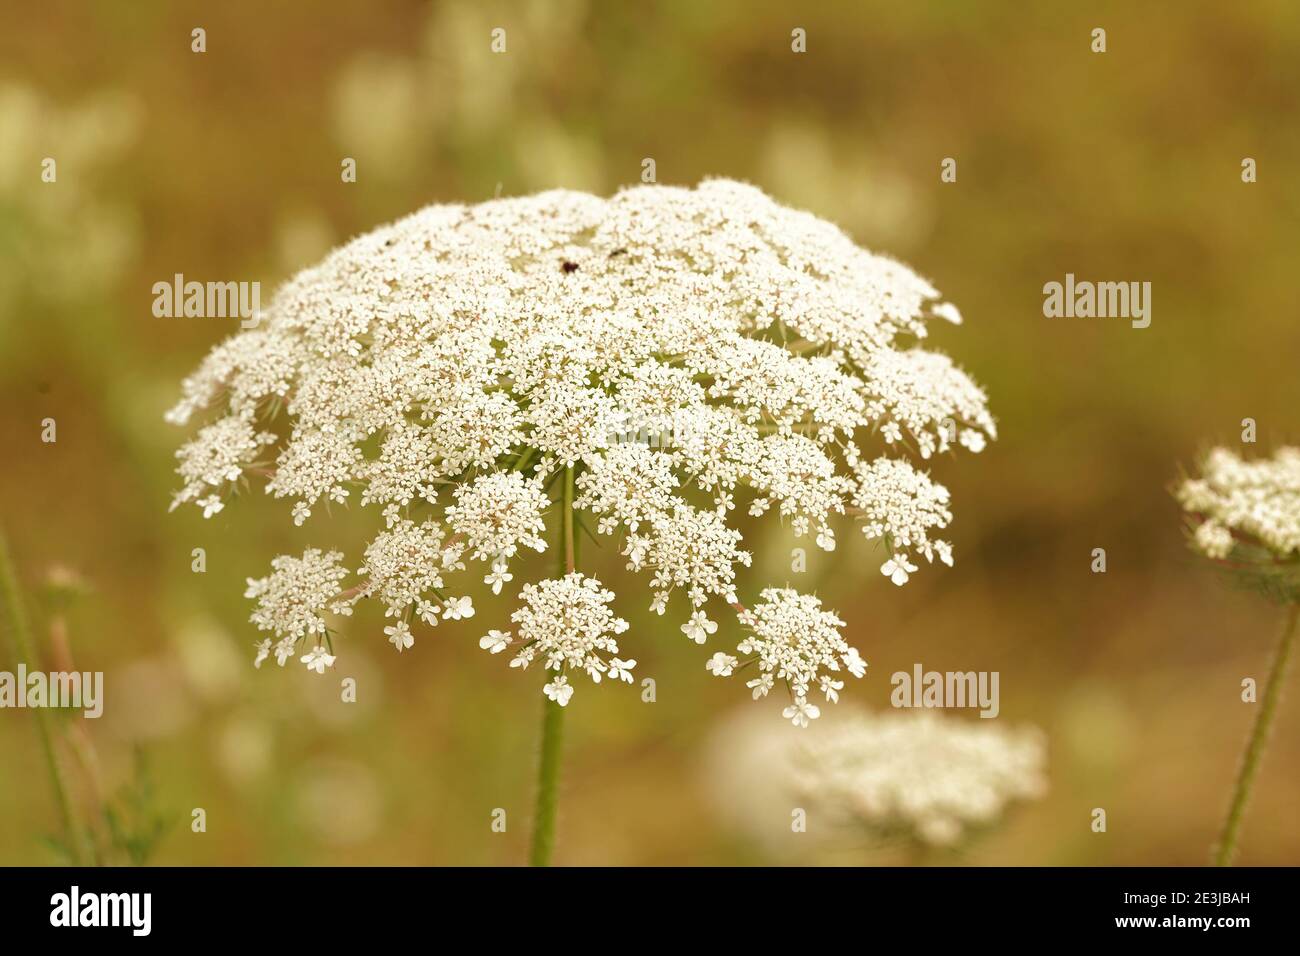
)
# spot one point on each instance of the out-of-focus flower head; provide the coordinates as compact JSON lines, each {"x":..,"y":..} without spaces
{"x":1246,"y":515}
{"x":917,"y":774}
{"x":62,"y":241}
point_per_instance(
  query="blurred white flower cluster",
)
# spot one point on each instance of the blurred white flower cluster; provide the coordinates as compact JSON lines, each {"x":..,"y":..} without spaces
{"x":917,"y":774}
{"x":62,"y":240}
{"x":684,"y":352}
{"x":1235,"y":499}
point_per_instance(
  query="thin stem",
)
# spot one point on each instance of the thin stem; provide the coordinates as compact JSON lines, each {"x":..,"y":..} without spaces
{"x":78,"y":741}
{"x":15,"y":623}
{"x":1250,"y":762}
{"x":570,"y":540}
{"x":548,"y":774}
{"x":548,"y":784}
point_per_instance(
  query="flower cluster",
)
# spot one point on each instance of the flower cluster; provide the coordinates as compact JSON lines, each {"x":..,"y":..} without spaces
{"x":919,"y":775}
{"x":900,"y":505}
{"x":566,"y":623}
{"x":293,"y":598}
{"x":1235,"y":499}
{"x":217,"y":457}
{"x":497,"y":512}
{"x":792,"y":639}
{"x":683,"y":355}
{"x":404,"y":566}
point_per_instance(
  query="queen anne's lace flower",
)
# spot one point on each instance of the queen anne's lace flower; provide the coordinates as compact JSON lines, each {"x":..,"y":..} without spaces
{"x":317,"y":659}
{"x":627,"y":485}
{"x":794,"y":640}
{"x":498,"y":512}
{"x":293,"y":598}
{"x":690,"y":354}
{"x":917,"y":774}
{"x":405,"y":564}
{"x":1252,"y":500}
{"x":721,"y":665}
{"x":217,"y":457}
{"x":399,"y":635}
{"x":566,"y":623}
{"x":900,"y":506}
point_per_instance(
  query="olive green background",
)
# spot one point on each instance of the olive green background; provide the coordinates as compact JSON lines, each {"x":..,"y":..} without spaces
{"x":225,"y":166}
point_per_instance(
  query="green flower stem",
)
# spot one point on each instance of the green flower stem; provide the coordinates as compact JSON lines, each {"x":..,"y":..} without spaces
{"x":548,"y":774}
{"x":1250,"y":762}
{"x":548,"y":784}
{"x":14,"y":622}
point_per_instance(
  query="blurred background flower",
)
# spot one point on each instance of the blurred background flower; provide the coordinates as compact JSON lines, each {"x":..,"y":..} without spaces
{"x":861,"y":787}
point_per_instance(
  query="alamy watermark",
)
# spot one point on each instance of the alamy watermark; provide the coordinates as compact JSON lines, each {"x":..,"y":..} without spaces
{"x":208,"y":300}
{"x":1101,"y":300}
{"x":922,"y":688}
{"x":62,"y":689}
{"x":75,"y":908}
{"x":663,"y":431}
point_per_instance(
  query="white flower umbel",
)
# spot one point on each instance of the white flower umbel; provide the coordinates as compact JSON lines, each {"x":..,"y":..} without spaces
{"x":792,"y":639}
{"x":917,"y":774}
{"x":685,"y":351}
{"x":293,"y":598}
{"x":565,"y":622}
{"x":1246,"y":518}
{"x":1249,"y":501}
{"x":680,"y":356}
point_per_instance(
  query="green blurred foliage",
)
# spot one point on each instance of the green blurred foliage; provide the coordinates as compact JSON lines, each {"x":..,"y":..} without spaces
{"x":225,"y":165}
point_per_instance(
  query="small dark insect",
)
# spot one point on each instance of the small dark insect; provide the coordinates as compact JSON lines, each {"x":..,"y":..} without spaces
{"x":618,"y":252}
{"x":569,"y":266}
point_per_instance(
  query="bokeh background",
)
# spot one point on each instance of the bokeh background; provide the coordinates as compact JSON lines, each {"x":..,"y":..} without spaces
{"x":225,"y":166}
